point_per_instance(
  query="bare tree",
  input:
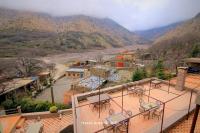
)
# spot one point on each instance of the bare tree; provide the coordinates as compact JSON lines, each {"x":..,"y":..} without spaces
{"x":99,"y":58}
{"x":52,"y":74}
{"x":3,"y":84}
{"x":27,"y":67}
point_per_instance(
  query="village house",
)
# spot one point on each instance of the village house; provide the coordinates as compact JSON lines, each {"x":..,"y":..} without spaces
{"x":123,"y":60}
{"x":19,"y":87}
{"x":75,"y":73}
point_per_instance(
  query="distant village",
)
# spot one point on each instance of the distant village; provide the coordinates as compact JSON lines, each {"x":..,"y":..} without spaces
{"x":37,"y":97}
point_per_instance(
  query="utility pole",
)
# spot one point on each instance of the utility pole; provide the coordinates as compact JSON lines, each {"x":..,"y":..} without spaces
{"x":52,"y":74}
{"x":51,"y":87}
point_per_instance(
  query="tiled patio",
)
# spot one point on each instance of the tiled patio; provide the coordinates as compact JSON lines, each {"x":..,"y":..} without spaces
{"x":192,"y":81}
{"x":174,"y":110}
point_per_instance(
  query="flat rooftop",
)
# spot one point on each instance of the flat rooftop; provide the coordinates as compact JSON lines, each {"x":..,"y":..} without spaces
{"x":102,"y":67}
{"x":75,"y":70}
{"x":176,"y":106}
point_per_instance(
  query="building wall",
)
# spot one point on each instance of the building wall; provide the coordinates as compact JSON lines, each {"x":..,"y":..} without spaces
{"x":75,"y":74}
{"x":100,"y":72}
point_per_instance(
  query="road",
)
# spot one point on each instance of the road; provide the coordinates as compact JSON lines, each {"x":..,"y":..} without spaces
{"x":60,"y":87}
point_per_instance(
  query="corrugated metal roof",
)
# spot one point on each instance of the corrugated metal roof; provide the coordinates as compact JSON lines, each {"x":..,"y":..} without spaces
{"x":75,"y":70}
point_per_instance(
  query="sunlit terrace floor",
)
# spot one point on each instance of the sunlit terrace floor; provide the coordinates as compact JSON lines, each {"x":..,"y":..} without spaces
{"x":192,"y":81}
{"x":174,"y":110}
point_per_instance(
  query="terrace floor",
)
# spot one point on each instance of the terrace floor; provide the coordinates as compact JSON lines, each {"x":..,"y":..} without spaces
{"x":174,"y":110}
{"x":192,"y":81}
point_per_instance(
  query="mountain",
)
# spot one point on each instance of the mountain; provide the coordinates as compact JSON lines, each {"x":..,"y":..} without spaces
{"x":30,"y":33}
{"x":155,"y":33}
{"x":179,"y":42}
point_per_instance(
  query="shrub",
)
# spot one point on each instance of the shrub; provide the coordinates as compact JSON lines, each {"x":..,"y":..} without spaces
{"x":159,"y":70}
{"x":30,"y":105}
{"x":41,"y":106}
{"x":27,"y":105}
{"x":61,"y":106}
{"x":53,"y":109}
{"x":195,"y":51}
{"x":139,"y":74}
{"x":8,"y":104}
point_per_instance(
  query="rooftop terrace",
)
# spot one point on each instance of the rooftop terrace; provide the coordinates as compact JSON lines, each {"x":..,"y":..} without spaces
{"x":176,"y":104}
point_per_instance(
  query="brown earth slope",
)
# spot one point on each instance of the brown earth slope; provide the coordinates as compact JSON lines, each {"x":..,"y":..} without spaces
{"x":179,"y":42}
{"x":28,"y":33}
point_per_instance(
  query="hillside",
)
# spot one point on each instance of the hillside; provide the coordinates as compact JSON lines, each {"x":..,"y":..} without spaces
{"x":38,"y":34}
{"x":179,"y":42}
{"x":155,"y":33}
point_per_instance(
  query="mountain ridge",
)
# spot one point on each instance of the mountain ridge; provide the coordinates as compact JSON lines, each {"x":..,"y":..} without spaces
{"x":28,"y":30}
{"x":179,"y":42}
{"x":154,"y":33}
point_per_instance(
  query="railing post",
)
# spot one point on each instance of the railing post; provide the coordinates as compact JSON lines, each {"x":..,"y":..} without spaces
{"x":189,"y":105}
{"x":163,"y":113}
{"x":195,"y":118}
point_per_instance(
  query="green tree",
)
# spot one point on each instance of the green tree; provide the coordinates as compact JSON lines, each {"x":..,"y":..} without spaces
{"x":195,"y":51}
{"x":159,"y":70}
{"x":144,"y":73}
{"x":136,"y":75}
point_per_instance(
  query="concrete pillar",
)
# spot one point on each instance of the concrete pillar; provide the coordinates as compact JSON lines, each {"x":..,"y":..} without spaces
{"x":180,"y":83}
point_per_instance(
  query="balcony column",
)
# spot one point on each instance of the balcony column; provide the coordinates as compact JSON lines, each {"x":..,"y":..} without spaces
{"x":180,"y":83}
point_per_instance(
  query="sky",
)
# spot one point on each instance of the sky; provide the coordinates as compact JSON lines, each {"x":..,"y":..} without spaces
{"x":132,"y":14}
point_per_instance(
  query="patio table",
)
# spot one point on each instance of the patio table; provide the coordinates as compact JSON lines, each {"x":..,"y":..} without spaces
{"x":116,"y":118}
{"x":35,"y":127}
{"x":148,"y":106}
{"x":135,"y":88}
{"x":156,"y":83}
{"x":95,"y":99}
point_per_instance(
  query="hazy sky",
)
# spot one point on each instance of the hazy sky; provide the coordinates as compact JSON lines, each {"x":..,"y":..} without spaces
{"x":132,"y":14}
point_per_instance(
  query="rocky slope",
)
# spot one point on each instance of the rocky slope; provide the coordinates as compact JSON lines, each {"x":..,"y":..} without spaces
{"x":27,"y":33}
{"x":155,"y":33}
{"x":179,"y":42}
